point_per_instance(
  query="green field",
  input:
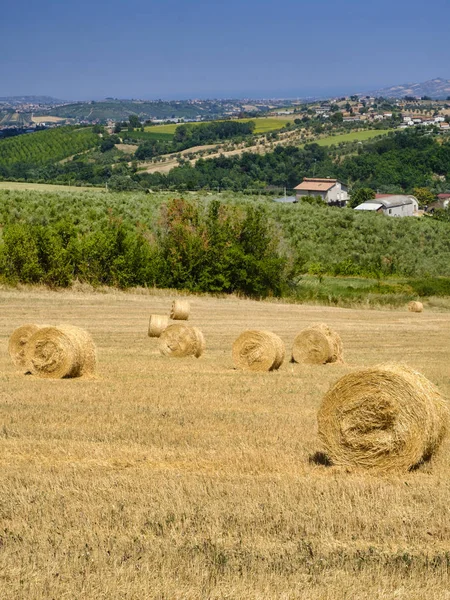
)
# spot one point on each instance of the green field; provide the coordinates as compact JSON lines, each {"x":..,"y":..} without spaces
{"x":45,"y":147}
{"x":148,"y":134}
{"x":263,"y":125}
{"x":354,"y":136}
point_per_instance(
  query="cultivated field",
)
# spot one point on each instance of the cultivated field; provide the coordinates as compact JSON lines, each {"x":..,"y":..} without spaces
{"x":47,"y":119}
{"x":354,"y":136}
{"x":46,"y":187}
{"x":262,"y":125}
{"x":185,"y":479}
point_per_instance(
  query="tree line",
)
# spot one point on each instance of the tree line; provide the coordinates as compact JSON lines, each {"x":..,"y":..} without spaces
{"x":220,"y":249}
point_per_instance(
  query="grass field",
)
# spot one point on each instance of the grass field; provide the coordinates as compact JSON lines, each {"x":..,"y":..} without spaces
{"x":263,"y":125}
{"x":46,"y":187}
{"x":184,"y":479}
{"x":355,"y":136}
{"x":47,"y":119}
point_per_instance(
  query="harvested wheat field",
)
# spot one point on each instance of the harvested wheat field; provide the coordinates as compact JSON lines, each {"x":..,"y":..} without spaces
{"x":188,"y":479}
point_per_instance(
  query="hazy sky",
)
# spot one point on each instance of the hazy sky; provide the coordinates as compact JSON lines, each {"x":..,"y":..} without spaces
{"x":201,"y":48}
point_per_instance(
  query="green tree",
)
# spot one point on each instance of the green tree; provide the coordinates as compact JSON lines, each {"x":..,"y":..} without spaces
{"x":359,"y":196}
{"x":423,"y":195}
{"x":337,"y":117}
{"x":134,"y":122}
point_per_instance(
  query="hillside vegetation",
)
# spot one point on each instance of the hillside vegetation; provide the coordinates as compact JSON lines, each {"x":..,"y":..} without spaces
{"x":395,"y":163}
{"x":222,"y":243}
{"x":44,"y":147}
{"x":120,"y":110}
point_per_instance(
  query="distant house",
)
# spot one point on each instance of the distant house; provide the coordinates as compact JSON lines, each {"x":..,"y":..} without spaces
{"x":391,"y":205}
{"x":444,"y":197}
{"x":442,"y":202}
{"x":332,"y":191}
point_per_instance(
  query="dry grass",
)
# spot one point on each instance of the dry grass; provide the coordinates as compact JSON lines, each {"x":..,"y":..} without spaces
{"x":46,"y":187}
{"x":184,"y":479}
{"x":48,"y":119}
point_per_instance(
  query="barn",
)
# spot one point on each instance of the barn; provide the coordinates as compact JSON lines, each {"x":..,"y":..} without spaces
{"x":392,"y":206}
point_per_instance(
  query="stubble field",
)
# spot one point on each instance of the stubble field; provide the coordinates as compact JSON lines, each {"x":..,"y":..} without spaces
{"x":185,"y":479}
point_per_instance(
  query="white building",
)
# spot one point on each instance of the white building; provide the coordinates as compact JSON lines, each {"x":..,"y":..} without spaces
{"x":332,"y":191}
{"x":392,"y":206}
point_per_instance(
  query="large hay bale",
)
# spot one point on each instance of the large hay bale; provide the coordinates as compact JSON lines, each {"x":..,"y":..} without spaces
{"x":415,"y":306}
{"x":256,"y":350}
{"x":179,"y":340}
{"x":180,"y":310}
{"x":317,"y":345}
{"x":385,"y":417}
{"x":157,"y":324}
{"x":201,"y":342}
{"x":18,"y":341}
{"x":63,"y":351}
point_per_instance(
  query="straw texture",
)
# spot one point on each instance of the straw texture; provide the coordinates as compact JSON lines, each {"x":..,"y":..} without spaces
{"x":180,"y":340}
{"x":256,"y":350}
{"x":18,"y":341}
{"x":63,"y":351}
{"x":415,"y":306}
{"x":180,"y":310}
{"x":387,"y":417}
{"x":157,"y":324}
{"x":317,"y":345}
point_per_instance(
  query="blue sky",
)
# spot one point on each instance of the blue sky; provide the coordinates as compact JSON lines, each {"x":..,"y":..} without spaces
{"x":201,"y":48}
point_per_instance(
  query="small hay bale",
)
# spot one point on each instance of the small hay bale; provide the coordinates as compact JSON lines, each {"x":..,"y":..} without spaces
{"x":60,"y":352}
{"x":180,"y":310}
{"x":157,"y":324}
{"x":415,"y":306}
{"x":18,"y":341}
{"x":179,"y":340}
{"x":317,"y":345}
{"x":386,"y":417}
{"x":256,"y":350}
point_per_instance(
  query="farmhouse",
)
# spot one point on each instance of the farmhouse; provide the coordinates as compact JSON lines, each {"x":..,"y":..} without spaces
{"x":442,"y":202}
{"x":392,"y":206}
{"x":332,"y":191}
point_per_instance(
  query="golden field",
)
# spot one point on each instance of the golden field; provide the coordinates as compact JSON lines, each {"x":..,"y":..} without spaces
{"x":185,"y":479}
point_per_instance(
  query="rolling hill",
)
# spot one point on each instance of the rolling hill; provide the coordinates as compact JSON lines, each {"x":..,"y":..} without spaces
{"x":438,"y":88}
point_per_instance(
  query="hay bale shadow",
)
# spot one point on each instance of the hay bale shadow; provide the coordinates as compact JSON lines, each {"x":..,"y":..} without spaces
{"x":320,"y":458}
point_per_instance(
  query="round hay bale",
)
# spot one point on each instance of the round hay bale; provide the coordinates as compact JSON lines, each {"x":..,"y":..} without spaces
{"x":317,"y":345}
{"x":415,"y":306}
{"x":256,"y":350}
{"x":157,"y":324}
{"x":385,"y":417}
{"x":179,"y":340}
{"x":201,"y":342}
{"x":63,"y":351}
{"x":18,"y":341}
{"x":180,"y":310}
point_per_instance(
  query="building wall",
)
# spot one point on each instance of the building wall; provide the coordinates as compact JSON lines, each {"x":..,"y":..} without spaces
{"x":406,"y":210}
{"x":336,"y":194}
{"x":301,"y":193}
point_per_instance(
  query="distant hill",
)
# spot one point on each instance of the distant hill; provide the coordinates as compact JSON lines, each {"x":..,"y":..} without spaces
{"x":120,"y":110}
{"x":434,"y":88}
{"x":30,"y":100}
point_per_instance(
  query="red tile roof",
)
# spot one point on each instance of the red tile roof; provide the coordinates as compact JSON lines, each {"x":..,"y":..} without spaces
{"x":312,"y":184}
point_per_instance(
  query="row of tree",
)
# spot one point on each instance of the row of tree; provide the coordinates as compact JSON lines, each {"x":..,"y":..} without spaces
{"x":45,"y":147}
{"x":220,"y":250}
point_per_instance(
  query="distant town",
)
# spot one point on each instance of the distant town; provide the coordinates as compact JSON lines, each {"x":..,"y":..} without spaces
{"x":28,"y":114}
